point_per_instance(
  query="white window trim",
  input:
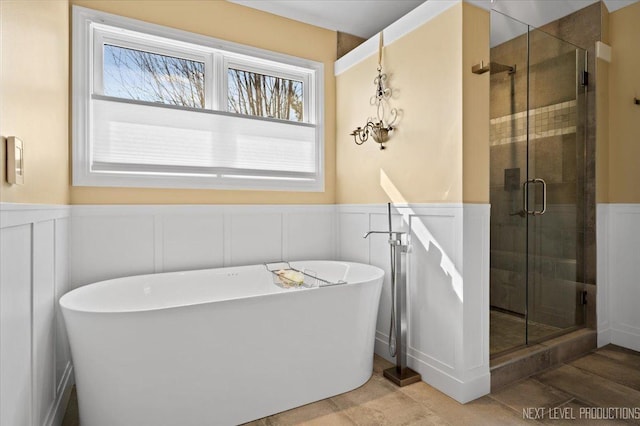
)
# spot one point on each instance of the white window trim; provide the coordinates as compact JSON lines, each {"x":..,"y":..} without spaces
{"x":83,"y":87}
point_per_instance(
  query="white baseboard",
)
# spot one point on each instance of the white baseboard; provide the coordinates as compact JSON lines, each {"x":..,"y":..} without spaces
{"x":604,"y":337}
{"x":462,"y":392}
{"x":382,"y":347}
{"x":626,"y":339}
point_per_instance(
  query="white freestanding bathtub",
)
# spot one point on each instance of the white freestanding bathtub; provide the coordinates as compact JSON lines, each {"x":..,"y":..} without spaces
{"x":220,"y":346}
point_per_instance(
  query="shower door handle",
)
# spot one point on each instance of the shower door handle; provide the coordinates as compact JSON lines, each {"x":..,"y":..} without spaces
{"x":544,"y":196}
{"x":525,"y":197}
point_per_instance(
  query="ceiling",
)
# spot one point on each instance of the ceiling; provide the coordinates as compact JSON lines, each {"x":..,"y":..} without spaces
{"x":364,"y":18}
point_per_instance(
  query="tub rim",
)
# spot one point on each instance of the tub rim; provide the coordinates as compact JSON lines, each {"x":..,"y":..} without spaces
{"x":63,"y":301}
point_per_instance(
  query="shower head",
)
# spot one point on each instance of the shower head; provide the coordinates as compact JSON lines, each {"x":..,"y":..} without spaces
{"x":494,"y":67}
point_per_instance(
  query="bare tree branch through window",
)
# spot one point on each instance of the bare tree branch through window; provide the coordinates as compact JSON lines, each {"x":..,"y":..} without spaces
{"x":264,"y":95}
{"x":145,"y":76}
{"x":139,"y":75}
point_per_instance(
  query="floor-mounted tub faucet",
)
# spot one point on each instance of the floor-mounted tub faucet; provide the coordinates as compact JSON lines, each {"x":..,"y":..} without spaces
{"x":401,"y":375}
{"x":395,"y":237}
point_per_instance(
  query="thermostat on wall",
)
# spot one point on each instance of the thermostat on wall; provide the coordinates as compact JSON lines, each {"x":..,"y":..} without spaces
{"x":15,"y":160}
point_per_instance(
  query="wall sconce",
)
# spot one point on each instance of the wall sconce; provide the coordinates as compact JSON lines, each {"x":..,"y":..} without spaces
{"x":378,"y":129}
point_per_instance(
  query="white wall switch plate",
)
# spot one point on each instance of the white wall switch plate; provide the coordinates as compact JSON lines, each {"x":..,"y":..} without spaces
{"x":15,"y":161}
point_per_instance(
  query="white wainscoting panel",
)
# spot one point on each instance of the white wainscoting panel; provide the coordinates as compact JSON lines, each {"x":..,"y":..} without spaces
{"x":476,"y":254}
{"x":309,"y":235}
{"x":35,"y":365}
{"x":352,"y":225}
{"x":119,"y":240}
{"x":448,"y":288}
{"x":619,"y":283}
{"x":111,"y":246}
{"x":435,"y":287}
{"x":15,"y":331}
{"x":603,"y":234}
{"x":254,"y":238}
{"x":44,"y":320}
{"x":63,"y":374}
{"x":193,"y":241}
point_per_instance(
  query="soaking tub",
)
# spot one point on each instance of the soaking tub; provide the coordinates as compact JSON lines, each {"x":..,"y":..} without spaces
{"x":219,"y":346}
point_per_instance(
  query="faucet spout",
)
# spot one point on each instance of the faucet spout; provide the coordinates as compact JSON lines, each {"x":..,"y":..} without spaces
{"x":389,"y":233}
{"x":374,"y":232}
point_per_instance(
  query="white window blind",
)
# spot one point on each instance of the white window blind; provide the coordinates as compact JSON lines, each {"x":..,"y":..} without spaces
{"x":133,"y":137}
{"x":124,"y":141}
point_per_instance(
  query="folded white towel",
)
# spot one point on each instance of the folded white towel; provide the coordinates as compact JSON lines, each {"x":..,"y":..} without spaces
{"x":290,"y":278}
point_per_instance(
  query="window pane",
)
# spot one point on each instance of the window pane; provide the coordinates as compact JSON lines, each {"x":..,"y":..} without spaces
{"x":264,"y":95}
{"x":144,"y":76}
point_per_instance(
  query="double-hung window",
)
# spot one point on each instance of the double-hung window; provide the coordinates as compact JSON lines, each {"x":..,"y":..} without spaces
{"x":159,"y":107}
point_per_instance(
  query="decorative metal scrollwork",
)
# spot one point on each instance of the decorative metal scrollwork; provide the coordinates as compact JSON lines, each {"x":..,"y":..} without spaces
{"x":380,"y":127}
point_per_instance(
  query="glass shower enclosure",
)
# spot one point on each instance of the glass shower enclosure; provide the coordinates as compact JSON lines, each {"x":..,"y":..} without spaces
{"x":537,"y":155}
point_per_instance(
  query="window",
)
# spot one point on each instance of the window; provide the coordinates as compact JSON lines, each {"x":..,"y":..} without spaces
{"x":159,"y":107}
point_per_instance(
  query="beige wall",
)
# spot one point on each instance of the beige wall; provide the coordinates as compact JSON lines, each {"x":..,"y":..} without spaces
{"x":239,"y":24}
{"x":34,"y":90}
{"x":475,"y":112}
{"x":624,"y":116}
{"x":439,"y":152}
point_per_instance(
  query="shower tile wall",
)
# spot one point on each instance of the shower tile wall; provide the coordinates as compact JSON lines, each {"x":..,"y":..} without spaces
{"x":552,"y":120}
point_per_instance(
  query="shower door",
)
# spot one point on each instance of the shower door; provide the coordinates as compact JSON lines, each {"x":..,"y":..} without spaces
{"x":537,"y":187}
{"x":553,"y":193}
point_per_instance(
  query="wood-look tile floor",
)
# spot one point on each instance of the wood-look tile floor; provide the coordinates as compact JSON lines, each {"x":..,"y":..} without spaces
{"x":607,"y":377}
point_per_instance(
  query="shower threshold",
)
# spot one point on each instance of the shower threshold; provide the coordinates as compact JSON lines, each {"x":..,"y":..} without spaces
{"x":517,"y":364}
